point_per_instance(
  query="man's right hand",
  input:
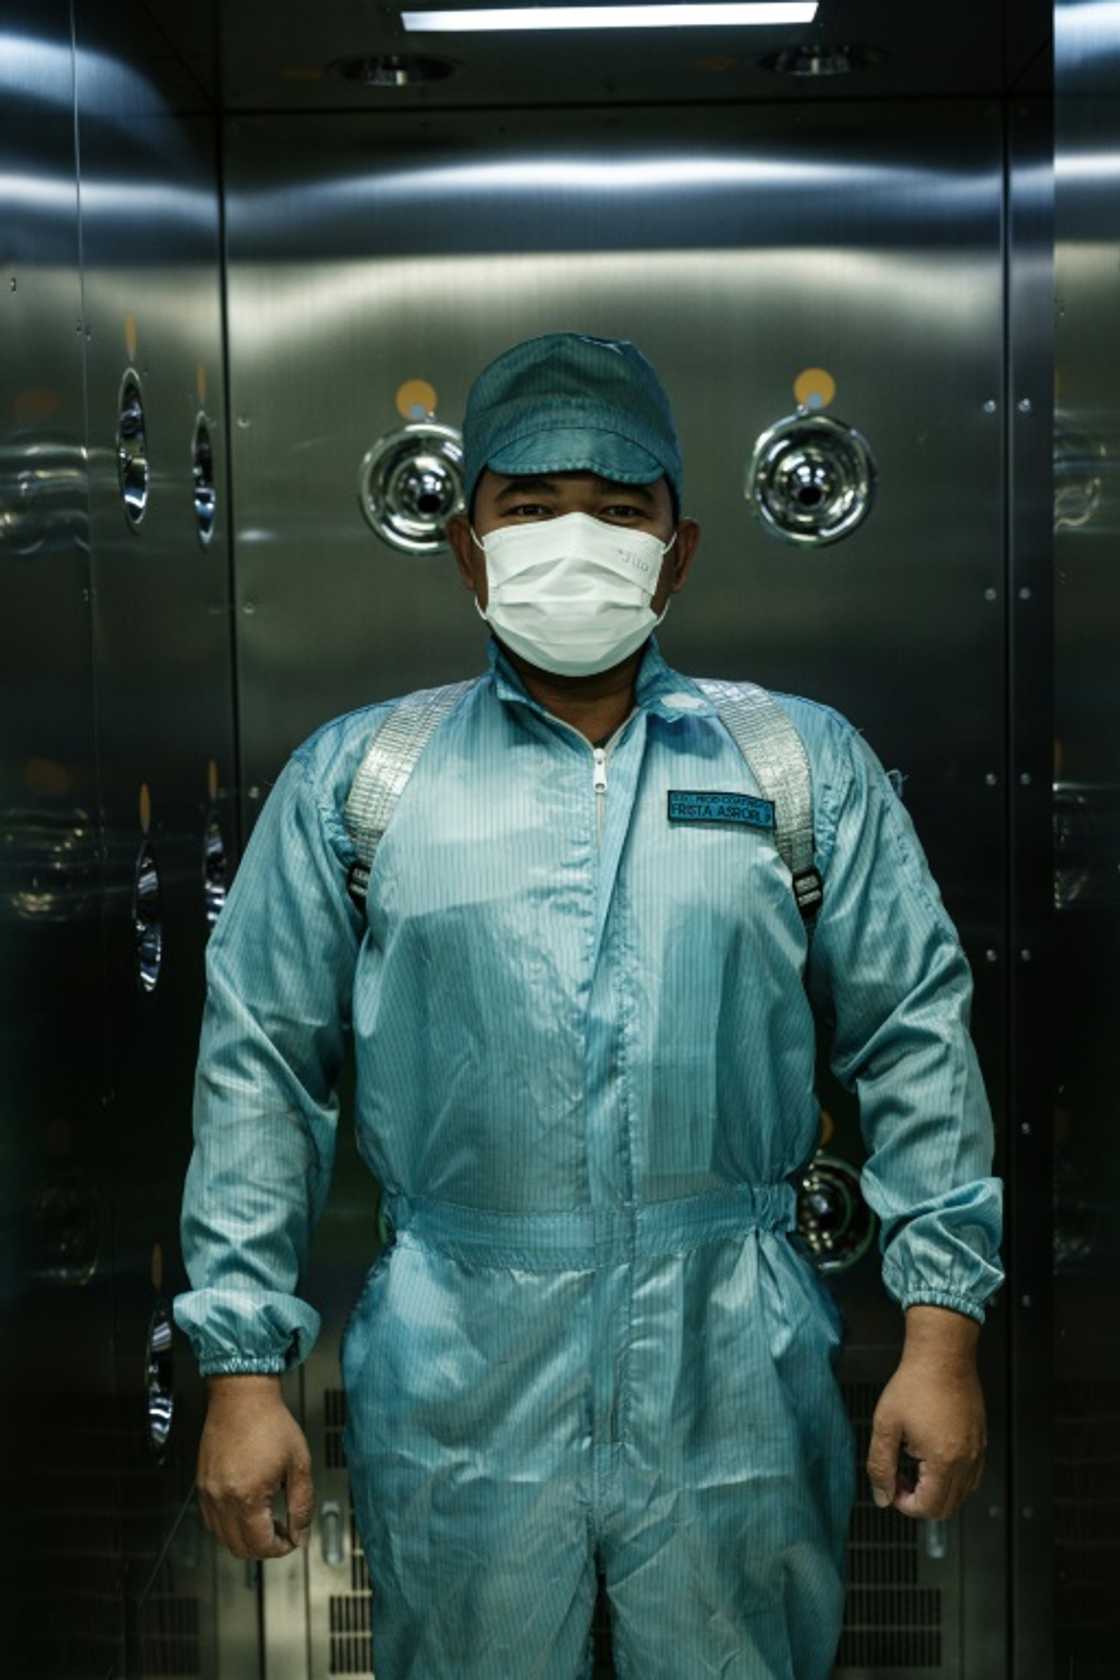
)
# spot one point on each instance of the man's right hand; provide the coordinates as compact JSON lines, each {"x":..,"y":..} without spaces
{"x":251,"y":1447}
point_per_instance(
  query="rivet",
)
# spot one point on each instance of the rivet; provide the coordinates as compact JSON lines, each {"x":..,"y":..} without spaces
{"x":1025,"y":956}
{"x":1027,"y":1301}
{"x":990,"y":406}
{"x":1025,"y":778}
{"x":1025,"y":1128}
{"x":249,"y":607}
{"x":991,"y":955}
{"x":1028,"y":1511}
{"x":991,"y":778}
{"x":1024,"y":594}
{"x":989,"y":594}
{"x":1024,"y":405}
{"x":254,"y":793}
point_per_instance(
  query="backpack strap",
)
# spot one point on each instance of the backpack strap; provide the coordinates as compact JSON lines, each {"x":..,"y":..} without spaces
{"x":777,"y":758}
{"x":390,"y":758}
{"x":756,"y":723}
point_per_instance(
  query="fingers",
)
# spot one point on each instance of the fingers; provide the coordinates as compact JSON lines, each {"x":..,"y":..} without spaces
{"x":257,"y":1534}
{"x":882,"y":1457}
{"x":245,"y":1526}
{"x":941,"y":1490}
{"x":250,"y":1449}
{"x":931,"y":1495}
{"x":301,"y":1501}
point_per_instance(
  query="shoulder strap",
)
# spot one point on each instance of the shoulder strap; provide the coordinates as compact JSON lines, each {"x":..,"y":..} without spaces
{"x":390,"y":758}
{"x":777,"y":758}
{"x":758,"y":726}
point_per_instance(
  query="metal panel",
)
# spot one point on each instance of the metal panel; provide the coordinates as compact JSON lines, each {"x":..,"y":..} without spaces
{"x":1029,"y":48}
{"x":151,"y":280}
{"x":286,"y":1648}
{"x":863,"y":240}
{"x":1086,"y":940}
{"x":61,"y":1604}
{"x":1029,"y":968}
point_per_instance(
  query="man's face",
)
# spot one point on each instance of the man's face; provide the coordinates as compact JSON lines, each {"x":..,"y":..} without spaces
{"x":501,"y":500}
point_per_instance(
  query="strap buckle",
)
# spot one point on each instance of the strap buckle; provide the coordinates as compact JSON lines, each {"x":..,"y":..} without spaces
{"x":357,"y":881}
{"x":808,"y":889}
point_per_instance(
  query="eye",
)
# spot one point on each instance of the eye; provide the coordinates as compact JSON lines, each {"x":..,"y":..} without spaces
{"x":526,"y":507}
{"x":624,"y":507}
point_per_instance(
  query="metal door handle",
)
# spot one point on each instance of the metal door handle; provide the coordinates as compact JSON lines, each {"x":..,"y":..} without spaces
{"x":330,"y":1533}
{"x":159,"y":1378}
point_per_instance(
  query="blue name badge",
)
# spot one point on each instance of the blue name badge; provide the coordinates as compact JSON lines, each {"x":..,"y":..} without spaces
{"x":686,"y":806}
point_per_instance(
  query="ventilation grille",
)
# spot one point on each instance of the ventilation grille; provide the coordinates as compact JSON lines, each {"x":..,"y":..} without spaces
{"x":169,"y":1635}
{"x":359,"y":1574}
{"x":61,"y":1494}
{"x":350,"y":1644}
{"x":170,"y":1617}
{"x":334,"y":1422}
{"x":1087,"y":1525}
{"x":890,"y":1620}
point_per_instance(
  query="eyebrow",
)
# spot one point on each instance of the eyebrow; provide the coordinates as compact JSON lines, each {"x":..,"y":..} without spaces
{"x":549,"y":485}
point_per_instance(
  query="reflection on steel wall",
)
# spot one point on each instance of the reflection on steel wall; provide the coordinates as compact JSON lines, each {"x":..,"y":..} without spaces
{"x":154,"y":385}
{"x":1086,"y":1249}
{"x":118,"y":775}
{"x":849,"y":267}
{"x":55,"y":1179}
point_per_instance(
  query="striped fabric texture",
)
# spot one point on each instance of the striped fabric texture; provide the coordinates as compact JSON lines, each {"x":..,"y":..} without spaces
{"x":567,"y":401}
{"x":585,"y":1056}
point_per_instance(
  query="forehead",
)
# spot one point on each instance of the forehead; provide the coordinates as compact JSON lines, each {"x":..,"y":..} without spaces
{"x":505,"y":483}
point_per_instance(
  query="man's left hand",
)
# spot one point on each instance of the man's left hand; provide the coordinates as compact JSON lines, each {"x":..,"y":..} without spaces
{"x":934,"y":1407}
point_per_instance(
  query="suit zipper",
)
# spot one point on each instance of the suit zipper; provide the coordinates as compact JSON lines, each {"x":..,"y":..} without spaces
{"x":599,"y":763}
{"x":600,"y":782}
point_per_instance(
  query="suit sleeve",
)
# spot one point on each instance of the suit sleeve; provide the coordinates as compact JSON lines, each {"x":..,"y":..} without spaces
{"x":887,"y":969}
{"x":279,"y":977}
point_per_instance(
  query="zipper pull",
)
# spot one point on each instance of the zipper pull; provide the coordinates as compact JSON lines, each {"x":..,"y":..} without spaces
{"x":600,"y":790}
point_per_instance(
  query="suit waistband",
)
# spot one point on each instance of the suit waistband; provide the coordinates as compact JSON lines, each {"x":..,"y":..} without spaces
{"x":587,"y":1237}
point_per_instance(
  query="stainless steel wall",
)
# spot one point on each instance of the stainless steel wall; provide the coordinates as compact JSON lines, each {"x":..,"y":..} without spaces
{"x":737,"y":251}
{"x":118,"y":773}
{"x":55,"y":1180}
{"x":1085,"y":956}
{"x":903,"y":246}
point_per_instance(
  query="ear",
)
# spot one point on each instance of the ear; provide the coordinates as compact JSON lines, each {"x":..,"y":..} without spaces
{"x":457,"y":532}
{"x":688,"y":538}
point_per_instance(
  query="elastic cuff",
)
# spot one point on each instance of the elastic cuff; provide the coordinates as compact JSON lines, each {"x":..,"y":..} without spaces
{"x":944,"y":1298}
{"x":218,"y":1367}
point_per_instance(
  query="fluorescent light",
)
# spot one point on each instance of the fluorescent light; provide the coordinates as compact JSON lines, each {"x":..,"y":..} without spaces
{"x":612,"y":17}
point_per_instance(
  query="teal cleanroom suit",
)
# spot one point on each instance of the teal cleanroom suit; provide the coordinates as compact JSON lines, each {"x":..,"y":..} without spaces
{"x":585,"y":1082}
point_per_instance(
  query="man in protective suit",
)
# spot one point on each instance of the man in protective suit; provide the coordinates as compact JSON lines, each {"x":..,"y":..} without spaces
{"x":581,"y":994}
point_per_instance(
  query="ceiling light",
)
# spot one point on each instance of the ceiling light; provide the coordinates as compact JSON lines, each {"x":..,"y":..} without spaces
{"x":391,"y":69}
{"x":614,"y":17}
{"x":821,"y":60}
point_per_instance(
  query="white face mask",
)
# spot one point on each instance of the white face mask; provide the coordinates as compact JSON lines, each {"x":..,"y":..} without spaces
{"x":572,"y":595}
